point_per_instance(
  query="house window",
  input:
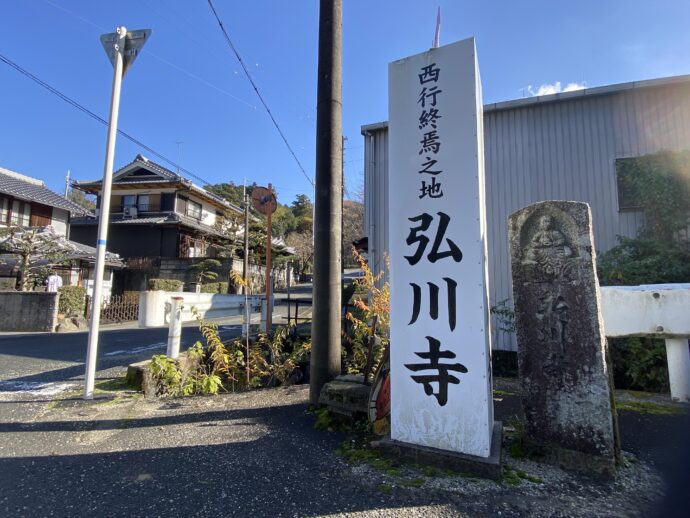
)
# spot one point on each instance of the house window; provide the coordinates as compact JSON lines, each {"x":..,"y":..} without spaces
{"x":4,"y":210}
{"x":21,"y":213}
{"x":193,"y":209}
{"x":143,"y":203}
{"x":638,"y":179}
{"x":129,"y":200}
{"x":628,"y":193}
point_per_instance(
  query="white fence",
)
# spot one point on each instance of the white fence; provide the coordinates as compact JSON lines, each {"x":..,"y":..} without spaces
{"x":657,"y":310}
{"x":154,"y":306}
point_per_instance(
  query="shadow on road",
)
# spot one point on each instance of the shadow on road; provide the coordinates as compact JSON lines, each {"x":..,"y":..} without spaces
{"x":282,"y":467}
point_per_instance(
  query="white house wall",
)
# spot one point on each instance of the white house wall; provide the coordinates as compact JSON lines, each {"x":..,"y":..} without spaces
{"x":560,"y":150}
{"x":208,"y":214}
{"x":59,"y":221}
{"x":208,"y":211}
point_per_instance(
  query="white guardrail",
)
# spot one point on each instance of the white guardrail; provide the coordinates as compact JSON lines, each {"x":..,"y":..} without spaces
{"x":155,"y":306}
{"x":659,"y":311}
{"x":656,"y":310}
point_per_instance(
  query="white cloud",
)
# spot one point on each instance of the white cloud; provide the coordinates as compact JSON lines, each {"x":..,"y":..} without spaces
{"x":554,"y":88}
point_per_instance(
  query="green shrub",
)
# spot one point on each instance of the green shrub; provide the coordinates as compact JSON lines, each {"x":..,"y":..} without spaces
{"x":639,"y":364}
{"x":131,"y":297}
{"x":214,"y":287}
{"x":658,"y":185}
{"x":504,"y":364}
{"x":72,"y":301}
{"x":644,"y":260}
{"x":165,"y":284}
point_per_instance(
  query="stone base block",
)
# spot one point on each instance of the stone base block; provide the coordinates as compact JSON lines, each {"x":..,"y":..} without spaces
{"x":605,"y":467}
{"x":139,"y":378}
{"x":489,"y":467}
{"x":139,"y":375}
{"x":346,"y":395}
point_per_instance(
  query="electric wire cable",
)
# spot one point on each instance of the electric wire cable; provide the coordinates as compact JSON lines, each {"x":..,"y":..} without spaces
{"x":256,"y":89}
{"x":100,"y":119}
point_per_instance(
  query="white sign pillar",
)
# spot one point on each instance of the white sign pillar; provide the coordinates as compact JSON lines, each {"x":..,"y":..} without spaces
{"x":175,"y":328}
{"x":122,"y":49}
{"x":440,"y":338}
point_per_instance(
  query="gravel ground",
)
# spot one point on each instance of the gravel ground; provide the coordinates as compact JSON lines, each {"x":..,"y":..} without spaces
{"x":257,"y":454}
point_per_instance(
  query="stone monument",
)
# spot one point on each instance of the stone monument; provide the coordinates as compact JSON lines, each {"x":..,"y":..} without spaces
{"x":565,"y":377}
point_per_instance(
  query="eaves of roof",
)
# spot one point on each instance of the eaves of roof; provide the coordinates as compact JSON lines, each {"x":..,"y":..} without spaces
{"x":11,"y":184}
{"x":166,"y":177}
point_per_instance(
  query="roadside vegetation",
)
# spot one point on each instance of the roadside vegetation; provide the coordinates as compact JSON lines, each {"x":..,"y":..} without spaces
{"x":216,"y":366}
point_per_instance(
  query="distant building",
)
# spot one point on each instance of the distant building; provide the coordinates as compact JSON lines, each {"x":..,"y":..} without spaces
{"x":156,"y":213}
{"x":555,"y":147}
{"x":27,"y":202}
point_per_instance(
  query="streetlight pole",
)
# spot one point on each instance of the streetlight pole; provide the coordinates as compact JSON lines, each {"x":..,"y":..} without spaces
{"x":116,"y":46}
{"x":104,"y":216}
{"x":325,"y":355}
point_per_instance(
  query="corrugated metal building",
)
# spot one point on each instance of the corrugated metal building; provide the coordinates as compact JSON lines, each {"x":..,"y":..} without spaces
{"x":555,"y":147}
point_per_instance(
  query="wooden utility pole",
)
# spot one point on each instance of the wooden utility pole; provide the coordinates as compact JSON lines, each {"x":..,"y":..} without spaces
{"x":325,"y":353}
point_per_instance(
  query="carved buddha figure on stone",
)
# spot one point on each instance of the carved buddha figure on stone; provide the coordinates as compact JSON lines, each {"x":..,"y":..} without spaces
{"x":548,"y":247}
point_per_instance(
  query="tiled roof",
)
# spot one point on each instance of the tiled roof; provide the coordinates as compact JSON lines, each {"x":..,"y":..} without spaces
{"x":171,"y":219}
{"x":140,"y":221}
{"x":166,"y":175}
{"x":88,"y":253}
{"x":31,"y":189}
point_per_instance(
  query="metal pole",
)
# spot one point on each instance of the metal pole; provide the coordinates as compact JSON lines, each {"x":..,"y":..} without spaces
{"x":175,"y":329}
{"x":325,"y":355}
{"x":269,"y":306}
{"x":103,"y":219}
{"x":67,"y":184}
{"x":245,"y":264}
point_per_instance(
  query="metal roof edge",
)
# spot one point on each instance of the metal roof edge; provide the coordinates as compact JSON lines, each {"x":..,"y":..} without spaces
{"x":562,"y":96}
{"x":373,"y":127}
{"x":587,"y":92}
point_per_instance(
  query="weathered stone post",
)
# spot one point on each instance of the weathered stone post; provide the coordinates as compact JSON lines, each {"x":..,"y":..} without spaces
{"x":567,"y":393}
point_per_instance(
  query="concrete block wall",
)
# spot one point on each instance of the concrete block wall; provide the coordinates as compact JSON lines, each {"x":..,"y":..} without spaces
{"x":30,"y":311}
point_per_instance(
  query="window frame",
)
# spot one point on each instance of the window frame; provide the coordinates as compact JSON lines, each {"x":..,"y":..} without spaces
{"x":191,"y":209}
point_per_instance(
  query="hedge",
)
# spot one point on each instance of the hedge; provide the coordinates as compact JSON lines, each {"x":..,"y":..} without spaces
{"x":72,"y":301}
{"x":165,"y":285}
{"x":215,"y":287}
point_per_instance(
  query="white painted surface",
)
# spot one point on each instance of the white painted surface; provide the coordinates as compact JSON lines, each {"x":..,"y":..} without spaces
{"x":464,"y":423}
{"x":661,"y":310}
{"x":208,"y":214}
{"x":154,"y":306}
{"x":59,"y":220}
{"x":107,"y":283}
{"x":678,"y":358}
{"x":175,"y":329}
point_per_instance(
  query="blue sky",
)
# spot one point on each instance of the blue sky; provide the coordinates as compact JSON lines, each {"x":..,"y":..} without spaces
{"x":187,"y":97}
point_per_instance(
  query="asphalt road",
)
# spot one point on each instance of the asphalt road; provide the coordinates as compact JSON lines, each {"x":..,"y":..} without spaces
{"x":50,"y":362}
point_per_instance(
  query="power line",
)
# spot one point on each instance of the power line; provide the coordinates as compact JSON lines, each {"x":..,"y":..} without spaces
{"x":91,"y":114}
{"x":256,"y":89}
{"x":162,"y":60}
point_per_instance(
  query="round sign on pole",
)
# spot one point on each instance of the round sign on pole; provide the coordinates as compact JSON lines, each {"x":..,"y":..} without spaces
{"x":264,"y":200}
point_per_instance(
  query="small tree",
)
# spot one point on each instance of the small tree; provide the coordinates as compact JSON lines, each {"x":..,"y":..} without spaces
{"x":203,"y":271}
{"x":303,"y":245}
{"x":37,"y":248}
